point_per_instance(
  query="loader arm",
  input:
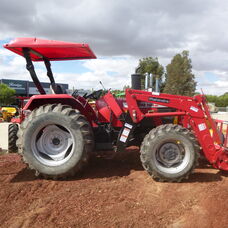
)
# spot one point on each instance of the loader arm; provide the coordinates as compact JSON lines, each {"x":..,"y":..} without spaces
{"x":192,"y":112}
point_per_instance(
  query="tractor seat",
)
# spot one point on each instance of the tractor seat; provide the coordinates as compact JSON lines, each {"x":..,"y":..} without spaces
{"x":57,"y":89}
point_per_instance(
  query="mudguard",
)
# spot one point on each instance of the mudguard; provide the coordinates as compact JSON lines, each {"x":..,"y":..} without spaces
{"x":78,"y":103}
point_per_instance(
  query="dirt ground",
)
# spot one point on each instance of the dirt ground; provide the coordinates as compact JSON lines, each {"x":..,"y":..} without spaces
{"x":111,"y":193}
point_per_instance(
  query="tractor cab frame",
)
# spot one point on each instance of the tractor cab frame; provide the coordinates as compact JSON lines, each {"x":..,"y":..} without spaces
{"x":33,"y":49}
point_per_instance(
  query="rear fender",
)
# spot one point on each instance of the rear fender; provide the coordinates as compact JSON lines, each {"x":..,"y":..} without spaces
{"x":81,"y":104}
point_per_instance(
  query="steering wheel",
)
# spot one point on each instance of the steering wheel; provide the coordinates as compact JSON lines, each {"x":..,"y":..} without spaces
{"x":94,"y":95}
{"x":75,"y":93}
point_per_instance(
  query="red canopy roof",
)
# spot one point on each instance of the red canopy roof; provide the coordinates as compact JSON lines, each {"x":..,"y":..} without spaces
{"x":51,"y":49}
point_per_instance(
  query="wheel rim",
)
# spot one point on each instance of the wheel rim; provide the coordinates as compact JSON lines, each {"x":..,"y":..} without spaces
{"x":172,"y":157}
{"x":52,"y":145}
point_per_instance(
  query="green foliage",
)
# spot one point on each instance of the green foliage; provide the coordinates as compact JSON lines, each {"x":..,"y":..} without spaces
{"x":220,"y":101}
{"x":6,"y":95}
{"x":179,"y":77}
{"x":118,"y":93}
{"x":150,"y":65}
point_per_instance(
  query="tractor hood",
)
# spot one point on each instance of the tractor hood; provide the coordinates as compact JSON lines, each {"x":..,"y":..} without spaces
{"x":50,"y":49}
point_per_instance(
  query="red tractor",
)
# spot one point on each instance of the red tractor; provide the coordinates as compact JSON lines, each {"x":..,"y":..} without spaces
{"x":62,"y":131}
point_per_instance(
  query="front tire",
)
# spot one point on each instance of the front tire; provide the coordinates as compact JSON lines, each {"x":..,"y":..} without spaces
{"x":169,"y":153}
{"x":55,"y":141}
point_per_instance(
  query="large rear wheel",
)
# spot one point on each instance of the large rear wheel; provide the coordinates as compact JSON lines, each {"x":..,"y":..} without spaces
{"x":169,"y":153}
{"x":55,"y":141}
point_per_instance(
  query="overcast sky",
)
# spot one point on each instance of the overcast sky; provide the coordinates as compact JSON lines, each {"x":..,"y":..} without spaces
{"x":120,"y":32}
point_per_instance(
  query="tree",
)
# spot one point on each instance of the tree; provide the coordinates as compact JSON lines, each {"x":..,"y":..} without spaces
{"x":220,"y":101}
{"x":150,"y":65}
{"x":6,"y":95}
{"x":179,"y":77}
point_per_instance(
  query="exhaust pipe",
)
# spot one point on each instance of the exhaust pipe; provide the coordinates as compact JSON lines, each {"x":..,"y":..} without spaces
{"x":147,"y":80}
{"x":136,"y":81}
{"x":151,"y":82}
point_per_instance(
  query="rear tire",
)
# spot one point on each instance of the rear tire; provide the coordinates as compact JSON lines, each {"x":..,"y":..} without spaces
{"x":55,"y":141}
{"x":12,"y":138}
{"x":169,"y":153}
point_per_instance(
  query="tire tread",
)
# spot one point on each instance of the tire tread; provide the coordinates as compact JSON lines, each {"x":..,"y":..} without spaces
{"x":75,"y":116}
{"x":159,"y":131}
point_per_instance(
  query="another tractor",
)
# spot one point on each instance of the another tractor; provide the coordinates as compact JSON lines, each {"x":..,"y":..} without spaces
{"x":62,"y":131}
{"x":14,"y":115}
{"x":8,"y":114}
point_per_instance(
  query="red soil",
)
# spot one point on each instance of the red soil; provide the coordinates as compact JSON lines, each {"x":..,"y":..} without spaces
{"x":111,"y":193}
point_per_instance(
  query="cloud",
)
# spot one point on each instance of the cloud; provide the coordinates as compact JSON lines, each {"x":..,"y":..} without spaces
{"x":214,"y":82}
{"x":131,"y":28}
{"x":112,"y":27}
{"x":114,"y":73}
